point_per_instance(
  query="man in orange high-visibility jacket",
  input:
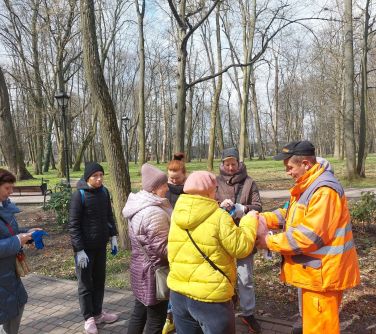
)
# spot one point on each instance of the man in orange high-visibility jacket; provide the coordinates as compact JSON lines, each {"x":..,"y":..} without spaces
{"x":317,"y":243}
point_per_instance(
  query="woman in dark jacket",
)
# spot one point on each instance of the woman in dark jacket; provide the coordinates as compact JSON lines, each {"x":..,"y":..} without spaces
{"x":13,"y":296}
{"x":91,"y":226}
{"x":177,"y":175}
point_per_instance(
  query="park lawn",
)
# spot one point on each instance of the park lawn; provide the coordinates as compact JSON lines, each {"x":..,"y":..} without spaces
{"x":268,"y":174}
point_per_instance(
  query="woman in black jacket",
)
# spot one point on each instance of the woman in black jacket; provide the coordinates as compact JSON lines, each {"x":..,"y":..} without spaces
{"x":177,"y":175}
{"x":91,"y":226}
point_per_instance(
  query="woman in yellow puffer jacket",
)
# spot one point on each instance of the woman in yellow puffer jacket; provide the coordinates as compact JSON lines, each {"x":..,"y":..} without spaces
{"x":200,"y":294}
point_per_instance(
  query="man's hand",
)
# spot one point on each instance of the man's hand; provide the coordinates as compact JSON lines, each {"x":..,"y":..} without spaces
{"x":82,"y":259}
{"x":227,"y":204}
{"x":24,"y":238}
{"x":262,"y":229}
{"x":261,"y":242}
{"x":114,"y":245}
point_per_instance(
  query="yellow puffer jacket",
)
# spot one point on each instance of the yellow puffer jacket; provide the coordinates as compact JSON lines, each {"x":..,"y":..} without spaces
{"x":218,"y":237}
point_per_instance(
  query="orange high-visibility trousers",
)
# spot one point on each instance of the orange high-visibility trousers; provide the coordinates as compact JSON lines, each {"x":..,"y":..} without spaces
{"x":321,"y":312}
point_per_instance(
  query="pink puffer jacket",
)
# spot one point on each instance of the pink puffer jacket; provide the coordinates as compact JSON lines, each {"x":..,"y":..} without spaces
{"x":148,"y":225}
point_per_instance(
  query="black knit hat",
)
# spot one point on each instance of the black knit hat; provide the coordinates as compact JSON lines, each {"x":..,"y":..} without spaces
{"x":91,"y":168}
{"x":301,"y":148}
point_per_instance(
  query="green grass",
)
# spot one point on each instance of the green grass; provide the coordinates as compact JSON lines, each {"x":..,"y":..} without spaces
{"x":117,"y":274}
{"x":269,"y":174}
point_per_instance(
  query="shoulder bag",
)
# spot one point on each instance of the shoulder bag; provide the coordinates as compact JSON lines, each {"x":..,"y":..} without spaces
{"x":22,"y":267}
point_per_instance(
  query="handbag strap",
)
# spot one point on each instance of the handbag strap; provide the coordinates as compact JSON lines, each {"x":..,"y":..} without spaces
{"x":8,"y":226}
{"x":207,"y":258}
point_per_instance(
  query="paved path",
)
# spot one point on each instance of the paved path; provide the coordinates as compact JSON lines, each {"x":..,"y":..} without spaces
{"x":269,"y":194}
{"x":53,"y":308}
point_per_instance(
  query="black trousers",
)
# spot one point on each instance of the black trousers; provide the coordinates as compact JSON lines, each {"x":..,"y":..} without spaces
{"x":91,"y":283}
{"x":154,"y":317}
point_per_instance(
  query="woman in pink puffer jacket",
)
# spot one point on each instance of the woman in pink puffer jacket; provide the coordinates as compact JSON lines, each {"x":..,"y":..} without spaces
{"x":148,"y":213}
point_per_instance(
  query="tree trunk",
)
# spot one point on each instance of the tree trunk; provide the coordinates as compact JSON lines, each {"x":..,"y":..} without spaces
{"x":217,"y":94}
{"x":85,"y":144}
{"x":8,"y":139}
{"x":48,"y":152}
{"x":363,"y":98}
{"x":37,"y":94}
{"x":188,"y":153}
{"x":276,"y":105}
{"x":107,"y":117}
{"x":248,"y":48}
{"x":338,"y":122}
{"x":349,"y":91}
{"x":141,"y":90}
{"x":181,"y":98}
{"x":260,"y":145}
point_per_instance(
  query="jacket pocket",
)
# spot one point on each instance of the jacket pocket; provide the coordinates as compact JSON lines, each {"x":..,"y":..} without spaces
{"x":309,"y":273}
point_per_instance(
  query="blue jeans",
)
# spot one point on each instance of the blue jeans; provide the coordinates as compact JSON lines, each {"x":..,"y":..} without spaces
{"x":195,"y":317}
{"x":246,"y":290}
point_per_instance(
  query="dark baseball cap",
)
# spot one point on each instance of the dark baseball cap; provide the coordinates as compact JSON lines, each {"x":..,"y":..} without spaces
{"x":231,"y":152}
{"x":302,"y":148}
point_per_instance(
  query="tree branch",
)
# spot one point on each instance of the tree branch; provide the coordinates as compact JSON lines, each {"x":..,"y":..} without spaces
{"x":176,"y":15}
{"x":194,"y":28}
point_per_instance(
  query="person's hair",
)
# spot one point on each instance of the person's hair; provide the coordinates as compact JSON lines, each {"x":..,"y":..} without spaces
{"x":177,"y":163}
{"x":6,"y":177}
{"x":298,"y":159}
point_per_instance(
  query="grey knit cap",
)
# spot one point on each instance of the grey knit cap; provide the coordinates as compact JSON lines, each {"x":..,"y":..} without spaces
{"x":231,"y":152}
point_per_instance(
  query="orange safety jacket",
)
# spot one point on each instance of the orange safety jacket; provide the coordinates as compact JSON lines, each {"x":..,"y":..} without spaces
{"x":317,"y":243}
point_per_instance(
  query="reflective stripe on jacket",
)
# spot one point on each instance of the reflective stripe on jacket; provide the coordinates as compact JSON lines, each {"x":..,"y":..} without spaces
{"x":317,"y":243}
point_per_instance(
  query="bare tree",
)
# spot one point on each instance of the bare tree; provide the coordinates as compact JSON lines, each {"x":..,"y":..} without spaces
{"x":349,"y":90}
{"x":215,"y":119}
{"x":8,"y":138}
{"x":106,"y":113}
{"x":361,"y":168}
{"x":141,"y":87}
{"x":185,"y":31}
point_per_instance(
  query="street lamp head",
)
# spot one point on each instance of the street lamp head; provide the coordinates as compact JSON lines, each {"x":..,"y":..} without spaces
{"x":62,"y":99}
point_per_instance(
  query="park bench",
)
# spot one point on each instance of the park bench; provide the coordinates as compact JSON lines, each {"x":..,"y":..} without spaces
{"x":62,"y":184}
{"x":33,"y":190}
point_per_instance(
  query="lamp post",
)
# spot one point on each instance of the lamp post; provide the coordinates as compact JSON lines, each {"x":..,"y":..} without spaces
{"x":125,"y":120}
{"x":62,"y":101}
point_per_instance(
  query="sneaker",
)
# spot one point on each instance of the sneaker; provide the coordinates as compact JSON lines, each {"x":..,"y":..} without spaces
{"x":168,"y":326}
{"x":252,"y":323}
{"x":297,"y":327}
{"x":107,"y":318}
{"x":90,"y":326}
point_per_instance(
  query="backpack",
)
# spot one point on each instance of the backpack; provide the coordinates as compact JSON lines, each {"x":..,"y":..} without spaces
{"x":82,"y":192}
